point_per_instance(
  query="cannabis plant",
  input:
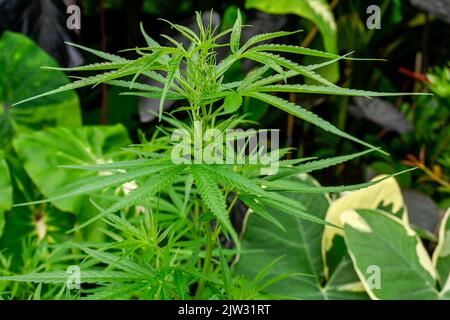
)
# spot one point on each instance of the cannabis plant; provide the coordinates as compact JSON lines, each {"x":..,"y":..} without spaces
{"x":171,"y":236}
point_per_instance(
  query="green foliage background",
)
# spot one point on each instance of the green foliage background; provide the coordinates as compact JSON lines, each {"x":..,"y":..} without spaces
{"x":139,"y":227}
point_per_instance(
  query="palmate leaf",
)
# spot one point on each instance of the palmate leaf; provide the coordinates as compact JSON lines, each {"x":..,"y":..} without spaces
{"x":150,"y":41}
{"x":304,"y":114}
{"x":92,"y":67}
{"x":117,"y":262}
{"x":152,"y":44}
{"x":318,"y":164}
{"x":96,"y":183}
{"x":154,"y":184}
{"x":131,"y":67}
{"x":292,"y":73}
{"x":88,"y":276}
{"x":274,"y":78}
{"x":185,"y":31}
{"x":300,"y":88}
{"x":90,"y":81}
{"x":123,"y":225}
{"x":224,"y":65}
{"x":120,"y":165}
{"x":294,"y":208}
{"x":266,"y":36}
{"x":155,"y":76}
{"x":237,"y":181}
{"x":135,"y":85}
{"x":251,"y":77}
{"x":295,"y":49}
{"x":214,"y":198}
{"x":155,"y":95}
{"x":256,"y":196}
{"x":123,"y":291}
{"x":148,"y":89}
{"x":145,"y":62}
{"x":290,"y":186}
{"x":266,"y":58}
{"x":101,"y":54}
{"x":262,"y":210}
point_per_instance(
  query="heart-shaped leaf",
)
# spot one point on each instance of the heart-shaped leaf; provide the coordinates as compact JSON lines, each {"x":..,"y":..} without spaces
{"x":397,"y":266}
{"x":21,"y":77}
{"x":263,"y":242}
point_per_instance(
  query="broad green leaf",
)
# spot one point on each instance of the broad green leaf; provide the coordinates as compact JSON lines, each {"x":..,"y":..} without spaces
{"x":6,"y":196}
{"x":61,"y":147}
{"x":441,"y":254}
{"x":318,"y":11}
{"x":398,"y":266}
{"x":445,"y":292}
{"x":384,"y":195}
{"x":20,"y":78}
{"x":344,"y":283}
{"x":263,"y":242}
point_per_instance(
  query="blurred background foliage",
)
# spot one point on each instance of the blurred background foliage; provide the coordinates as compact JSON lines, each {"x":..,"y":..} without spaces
{"x":90,"y":126}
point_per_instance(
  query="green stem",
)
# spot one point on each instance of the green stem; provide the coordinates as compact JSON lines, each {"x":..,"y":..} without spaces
{"x":342,"y":115}
{"x":211,"y":244}
{"x":206,"y":264}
